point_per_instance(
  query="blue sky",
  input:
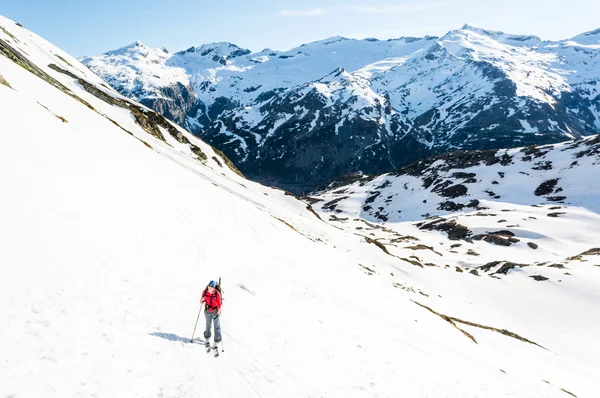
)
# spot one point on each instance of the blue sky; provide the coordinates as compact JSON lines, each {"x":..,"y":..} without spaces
{"x":89,"y":27}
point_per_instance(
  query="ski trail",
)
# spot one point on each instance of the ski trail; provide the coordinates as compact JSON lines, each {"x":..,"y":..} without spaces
{"x":244,"y":373}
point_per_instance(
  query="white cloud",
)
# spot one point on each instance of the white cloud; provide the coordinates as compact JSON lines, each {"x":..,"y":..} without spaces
{"x":398,"y":8}
{"x":317,"y":12}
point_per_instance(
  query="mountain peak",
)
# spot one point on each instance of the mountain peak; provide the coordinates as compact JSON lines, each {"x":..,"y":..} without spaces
{"x":504,"y":38}
{"x":478,"y":30}
{"x":133,"y":47}
{"x":336,"y":75}
{"x":220,"y":50}
{"x":327,"y":41}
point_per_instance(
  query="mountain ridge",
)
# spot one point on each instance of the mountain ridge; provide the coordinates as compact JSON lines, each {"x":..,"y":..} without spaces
{"x":399,"y":100}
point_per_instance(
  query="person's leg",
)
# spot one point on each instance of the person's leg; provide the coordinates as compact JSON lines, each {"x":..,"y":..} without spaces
{"x":217,"y":321}
{"x":209,"y":317}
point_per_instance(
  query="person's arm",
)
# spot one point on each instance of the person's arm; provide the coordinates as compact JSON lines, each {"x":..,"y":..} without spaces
{"x":203,"y":299}
{"x":218,"y":303}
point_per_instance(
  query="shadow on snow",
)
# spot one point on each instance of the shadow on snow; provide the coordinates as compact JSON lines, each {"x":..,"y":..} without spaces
{"x":174,"y":337}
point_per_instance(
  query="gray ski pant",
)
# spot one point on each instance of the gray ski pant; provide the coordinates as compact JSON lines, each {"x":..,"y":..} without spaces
{"x":210,"y":318}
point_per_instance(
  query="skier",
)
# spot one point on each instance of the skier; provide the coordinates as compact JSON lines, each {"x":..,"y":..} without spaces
{"x":211,"y":297}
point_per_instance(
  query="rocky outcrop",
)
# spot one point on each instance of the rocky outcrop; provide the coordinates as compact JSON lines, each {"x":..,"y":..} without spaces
{"x":175,"y":102}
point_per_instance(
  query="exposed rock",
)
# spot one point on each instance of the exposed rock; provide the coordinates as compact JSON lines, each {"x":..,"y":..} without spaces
{"x":546,"y":187}
{"x":367,"y":270}
{"x":532,"y":245}
{"x":4,"y":82}
{"x":413,"y":262}
{"x":422,"y":247}
{"x":503,"y":232}
{"x":556,"y":214}
{"x":463,"y":175}
{"x":331,"y":205}
{"x":539,"y":278}
{"x":557,"y":265}
{"x":496,"y":239}
{"x":504,"y":268}
{"x":453,"y":206}
{"x":556,"y":198}
{"x":507,"y":266}
{"x":568,"y":392}
{"x":453,"y":321}
{"x":63,"y":71}
{"x":591,"y":252}
{"x":216,"y":159}
{"x":454,"y":230}
{"x":547,"y":165}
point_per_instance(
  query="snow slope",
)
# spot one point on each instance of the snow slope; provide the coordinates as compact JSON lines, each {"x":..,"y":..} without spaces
{"x":112,"y":221}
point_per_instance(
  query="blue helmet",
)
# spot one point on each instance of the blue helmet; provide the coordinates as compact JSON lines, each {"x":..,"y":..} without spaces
{"x":212,"y":284}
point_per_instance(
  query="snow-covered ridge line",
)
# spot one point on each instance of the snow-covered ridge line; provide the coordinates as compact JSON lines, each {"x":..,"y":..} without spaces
{"x":396,"y":101}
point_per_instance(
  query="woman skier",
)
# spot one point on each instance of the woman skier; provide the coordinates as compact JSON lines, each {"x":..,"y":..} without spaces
{"x":211,"y":297}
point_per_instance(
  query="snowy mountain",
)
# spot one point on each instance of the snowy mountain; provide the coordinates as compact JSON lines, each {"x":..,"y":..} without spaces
{"x":298,"y":118}
{"x":113,"y":219}
{"x":552,"y":175}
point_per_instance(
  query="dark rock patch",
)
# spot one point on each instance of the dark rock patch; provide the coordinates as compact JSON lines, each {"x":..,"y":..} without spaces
{"x":546,"y":187}
{"x":556,"y":198}
{"x":454,"y":191}
{"x":547,"y":165}
{"x":463,"y":175}
{"x":450,"y":206}
{"x":331,"y":205}
{"x":422,"y":247}
{"x":532,"y":245}
{"x":367,"y":270}
{"x":500,"y":240}
{"x":372,"y":198}
{"x":591,"y":252}
{"x":506,"y":266}
{"x":539,"y":278}
{"x":216,"y":159}
{"x":557,"y":265}
{"x":503,"y":232}
{"x":4,"y":82}
{"x":454,"y":230}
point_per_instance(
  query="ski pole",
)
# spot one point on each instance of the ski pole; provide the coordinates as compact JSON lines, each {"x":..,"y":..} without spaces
{"x":194,"y":332}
